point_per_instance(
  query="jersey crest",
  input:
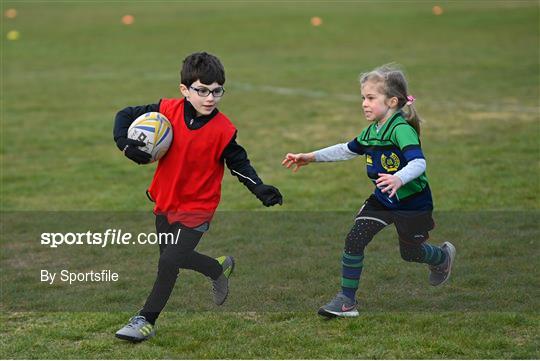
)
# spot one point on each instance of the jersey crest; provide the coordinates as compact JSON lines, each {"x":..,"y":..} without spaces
{"x":390,"y":163}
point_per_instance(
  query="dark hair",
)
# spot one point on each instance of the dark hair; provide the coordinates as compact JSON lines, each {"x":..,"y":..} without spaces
{"x":394,"y":84}
{"x":203,"y":67}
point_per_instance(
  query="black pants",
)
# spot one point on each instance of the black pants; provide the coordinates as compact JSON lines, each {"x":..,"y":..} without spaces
{"x":172,"y":257}
{"x":412,"y":227}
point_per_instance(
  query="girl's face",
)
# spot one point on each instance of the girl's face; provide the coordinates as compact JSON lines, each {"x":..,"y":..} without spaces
{"x":204,"y":105}
{"x":375,"y":104}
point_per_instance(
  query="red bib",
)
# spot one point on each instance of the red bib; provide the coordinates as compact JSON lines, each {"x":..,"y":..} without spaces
{"x":187,"y":181}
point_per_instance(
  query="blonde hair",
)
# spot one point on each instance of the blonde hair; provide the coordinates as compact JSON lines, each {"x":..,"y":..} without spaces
{"x":394,"y":84}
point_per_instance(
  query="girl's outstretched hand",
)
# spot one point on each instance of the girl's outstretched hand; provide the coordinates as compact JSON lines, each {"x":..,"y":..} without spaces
{"x":299,"y":160}
{"x":389,"y":183}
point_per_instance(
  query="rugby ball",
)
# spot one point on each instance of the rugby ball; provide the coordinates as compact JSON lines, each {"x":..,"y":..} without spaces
{"x":155,"y":130}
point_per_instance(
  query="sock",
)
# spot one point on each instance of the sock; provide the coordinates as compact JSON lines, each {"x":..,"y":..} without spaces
{"x":433,"y":255}
{"x":350,"y":273}
{"x":150,"y":316}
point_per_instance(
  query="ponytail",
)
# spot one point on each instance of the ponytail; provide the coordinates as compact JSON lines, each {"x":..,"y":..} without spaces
{"x":412,"y":116}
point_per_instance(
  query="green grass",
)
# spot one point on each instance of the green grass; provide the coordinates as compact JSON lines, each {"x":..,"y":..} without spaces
{"x":210,"y":335}
{"x":291,"y":87}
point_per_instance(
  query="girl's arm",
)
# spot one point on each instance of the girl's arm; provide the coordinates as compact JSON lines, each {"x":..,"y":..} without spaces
{"x":298,"y":159}
{"x":412,"y":170}
{"x":344,"y":151}
{"x":392,"y":182}
{"x":335,"y":153}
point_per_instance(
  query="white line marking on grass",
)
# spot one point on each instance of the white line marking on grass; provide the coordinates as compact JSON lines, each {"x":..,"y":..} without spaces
{"x":316,"y":94}
{"x":319,"y":94}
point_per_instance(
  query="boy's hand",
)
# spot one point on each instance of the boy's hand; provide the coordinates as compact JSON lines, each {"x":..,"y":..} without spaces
{"x":389,"y":183}
{"x":299,"y":160}
{"x":129,"y":147}
{"x":268,"y":195}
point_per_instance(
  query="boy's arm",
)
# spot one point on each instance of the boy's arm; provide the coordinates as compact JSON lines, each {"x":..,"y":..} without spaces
{"x":126,"y":116}
{"x":122,"y":121}
{"x":237,"y":161}
{"x":235,"y":157}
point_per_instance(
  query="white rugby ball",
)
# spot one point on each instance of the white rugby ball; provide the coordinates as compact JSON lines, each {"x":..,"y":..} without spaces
{"x":155,"y":130}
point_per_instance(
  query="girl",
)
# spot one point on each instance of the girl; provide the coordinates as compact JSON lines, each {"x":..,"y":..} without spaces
{"x":396,"y":165}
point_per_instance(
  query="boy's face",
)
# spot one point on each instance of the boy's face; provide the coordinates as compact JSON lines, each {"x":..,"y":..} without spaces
{"x":375,"y":104}
{"x":204,"y":105}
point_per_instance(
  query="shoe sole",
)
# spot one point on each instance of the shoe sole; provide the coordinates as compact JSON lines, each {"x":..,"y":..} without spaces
{"x":230,"y":274}
{"x":452,"y":254}
{"x":131,"y":338}
{"x":331,"y":314}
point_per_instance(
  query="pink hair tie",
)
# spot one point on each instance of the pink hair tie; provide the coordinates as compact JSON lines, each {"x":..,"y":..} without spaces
{"x":410,"y":100}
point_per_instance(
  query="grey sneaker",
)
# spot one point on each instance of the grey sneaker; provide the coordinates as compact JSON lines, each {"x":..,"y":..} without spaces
{"x":220,"y":287}
{"x":340,"y":306}
{"x":440,"y":273}
{"x":137,"y":330}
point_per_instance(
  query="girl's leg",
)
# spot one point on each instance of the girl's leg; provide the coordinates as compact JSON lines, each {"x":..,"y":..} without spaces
{"x":370,"y":220}
{"x":363,"y":231}
{"x":413,"y":231}
{"x":421,"y":253}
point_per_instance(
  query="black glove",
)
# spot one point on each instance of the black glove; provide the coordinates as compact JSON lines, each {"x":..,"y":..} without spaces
{"x":268,"y":195}
{"x":131,"y":150}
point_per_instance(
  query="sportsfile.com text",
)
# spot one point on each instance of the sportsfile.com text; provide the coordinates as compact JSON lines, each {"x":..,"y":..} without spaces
{"x":106,"y":238}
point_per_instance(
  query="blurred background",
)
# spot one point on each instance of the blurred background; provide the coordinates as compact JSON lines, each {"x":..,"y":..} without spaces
{"x":292,"y":86}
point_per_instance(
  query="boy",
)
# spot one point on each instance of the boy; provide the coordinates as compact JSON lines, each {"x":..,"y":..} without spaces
{"x":186,"y":187}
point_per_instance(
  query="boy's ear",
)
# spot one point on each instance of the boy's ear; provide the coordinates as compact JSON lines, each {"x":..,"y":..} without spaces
{"x":184,"y":90}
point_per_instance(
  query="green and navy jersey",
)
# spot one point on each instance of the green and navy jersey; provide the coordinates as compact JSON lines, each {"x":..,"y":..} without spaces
{"x":387,"y":151}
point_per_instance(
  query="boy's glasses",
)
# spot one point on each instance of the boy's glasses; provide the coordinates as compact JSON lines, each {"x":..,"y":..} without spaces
{"x":204,"y":92}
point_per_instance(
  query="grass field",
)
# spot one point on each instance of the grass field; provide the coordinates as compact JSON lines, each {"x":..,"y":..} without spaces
{"x":291,"y":87}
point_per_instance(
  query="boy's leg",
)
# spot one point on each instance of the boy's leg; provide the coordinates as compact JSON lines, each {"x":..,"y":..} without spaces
{"x":198,"y":262}
{"x":370,"y":220}
{"x":218,"y":269}
{"x":171,"y":259}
